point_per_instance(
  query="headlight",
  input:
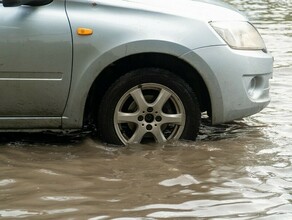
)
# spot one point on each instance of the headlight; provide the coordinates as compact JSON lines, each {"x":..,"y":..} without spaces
{"x":239,"y":35}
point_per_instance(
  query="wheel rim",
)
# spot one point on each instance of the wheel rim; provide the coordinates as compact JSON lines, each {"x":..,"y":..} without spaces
{"x":149,"y":111}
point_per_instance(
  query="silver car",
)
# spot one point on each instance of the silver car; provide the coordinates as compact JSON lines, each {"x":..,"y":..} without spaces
{"x":136,"y":70}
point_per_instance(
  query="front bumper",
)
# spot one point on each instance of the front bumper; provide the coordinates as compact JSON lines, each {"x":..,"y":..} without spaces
{"x":237,"y":80}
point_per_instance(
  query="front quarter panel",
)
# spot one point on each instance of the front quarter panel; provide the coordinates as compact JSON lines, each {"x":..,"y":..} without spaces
{"x":120,"y":31}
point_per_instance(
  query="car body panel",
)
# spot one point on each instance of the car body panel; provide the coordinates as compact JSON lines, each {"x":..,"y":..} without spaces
{"x":35,"y":63}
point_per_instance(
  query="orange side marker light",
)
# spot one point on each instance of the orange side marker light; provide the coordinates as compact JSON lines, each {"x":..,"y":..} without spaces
{"x":84,"y":31}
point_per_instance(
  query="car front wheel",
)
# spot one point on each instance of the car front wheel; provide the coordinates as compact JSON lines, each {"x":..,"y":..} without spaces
{"x":148,"y":104}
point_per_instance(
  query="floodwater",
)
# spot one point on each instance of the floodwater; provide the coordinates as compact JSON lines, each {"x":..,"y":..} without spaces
{"x":240,"y":170}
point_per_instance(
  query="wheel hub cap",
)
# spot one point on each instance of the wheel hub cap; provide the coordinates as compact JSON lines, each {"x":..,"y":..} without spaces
{"x":149,"y":118}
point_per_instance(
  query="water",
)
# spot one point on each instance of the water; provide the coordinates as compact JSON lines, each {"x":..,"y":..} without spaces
{"x":240,"y":170}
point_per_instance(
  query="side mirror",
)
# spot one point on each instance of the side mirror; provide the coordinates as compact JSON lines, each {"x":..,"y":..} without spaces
{"x":11,"y":3}
{"x":14,"y":3}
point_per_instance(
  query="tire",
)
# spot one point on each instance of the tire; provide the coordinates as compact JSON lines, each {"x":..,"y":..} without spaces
{"x":148,"y":104}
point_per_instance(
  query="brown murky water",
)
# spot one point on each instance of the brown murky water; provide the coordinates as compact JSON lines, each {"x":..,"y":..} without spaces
{"x":240,"y":170}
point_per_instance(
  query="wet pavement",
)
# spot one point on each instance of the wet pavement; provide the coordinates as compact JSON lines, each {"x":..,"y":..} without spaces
{"x":240,"y":170}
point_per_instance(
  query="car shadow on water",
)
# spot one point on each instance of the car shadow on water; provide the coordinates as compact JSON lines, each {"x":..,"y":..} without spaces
{"x":234,"y":129}
{"x":40,"y":138}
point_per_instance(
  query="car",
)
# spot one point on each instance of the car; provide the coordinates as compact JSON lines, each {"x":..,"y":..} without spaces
{"x":134,"y":70}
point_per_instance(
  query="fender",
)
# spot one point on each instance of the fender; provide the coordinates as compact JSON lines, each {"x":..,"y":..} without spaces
{"x":82,"y":82}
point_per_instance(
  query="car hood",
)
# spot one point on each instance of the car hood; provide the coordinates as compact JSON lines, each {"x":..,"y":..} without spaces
{"x":207,"y":10}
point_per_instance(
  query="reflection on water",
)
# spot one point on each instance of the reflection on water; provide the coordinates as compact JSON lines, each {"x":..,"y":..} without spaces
{"x":240,"y":170}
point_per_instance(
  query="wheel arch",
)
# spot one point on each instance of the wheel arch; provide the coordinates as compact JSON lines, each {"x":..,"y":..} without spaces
{"x":144,"y":60}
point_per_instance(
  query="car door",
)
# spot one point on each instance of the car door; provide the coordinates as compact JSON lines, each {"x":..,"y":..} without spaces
{"x":35,"y":61}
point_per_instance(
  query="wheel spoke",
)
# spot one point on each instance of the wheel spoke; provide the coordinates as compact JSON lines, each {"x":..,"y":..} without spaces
{"x":172,"y":119}
{"x":139,"y":98}
{"x":161,"y":99}
{"x":123,"y":117}
{"x":158,"y":134}
{"x":137,"y":136}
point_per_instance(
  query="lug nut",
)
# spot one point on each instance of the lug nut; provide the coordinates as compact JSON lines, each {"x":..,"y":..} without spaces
{"x":158,"y":118}
{"x":149,"y":109}
{"x":140,"y":118}
{"x":149,"y":127}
